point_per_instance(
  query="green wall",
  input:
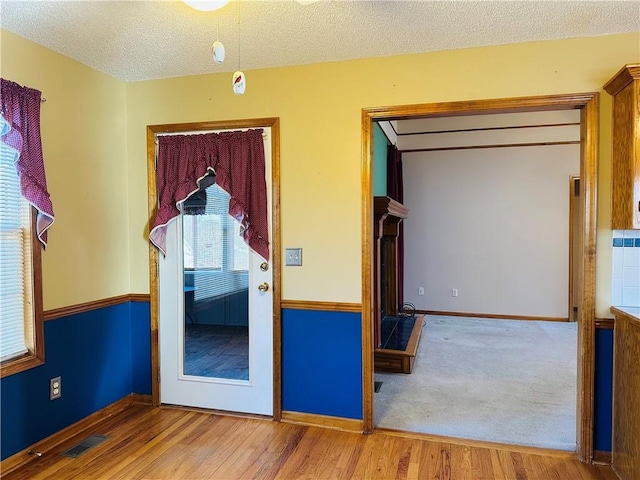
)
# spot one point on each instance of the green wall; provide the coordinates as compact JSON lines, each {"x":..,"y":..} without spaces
{"x":380,"y":144}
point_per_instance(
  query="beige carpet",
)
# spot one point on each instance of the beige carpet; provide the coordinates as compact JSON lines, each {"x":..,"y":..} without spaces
{"x":505,"y":381}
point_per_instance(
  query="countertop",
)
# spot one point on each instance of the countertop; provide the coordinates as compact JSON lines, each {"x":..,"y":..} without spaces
{"x":633,"y":313}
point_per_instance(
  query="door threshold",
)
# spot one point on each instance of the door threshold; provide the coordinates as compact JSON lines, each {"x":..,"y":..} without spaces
{"x":529,"y":449}
{"x":225,"y":413}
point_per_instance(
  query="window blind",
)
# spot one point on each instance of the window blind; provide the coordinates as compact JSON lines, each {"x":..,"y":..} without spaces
{"x":15,"y":258}
{"x":214,"y":252}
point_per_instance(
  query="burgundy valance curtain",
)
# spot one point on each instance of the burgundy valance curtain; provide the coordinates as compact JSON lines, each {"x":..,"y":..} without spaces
{"x":238,"y":162}
{"x":20,"y":108}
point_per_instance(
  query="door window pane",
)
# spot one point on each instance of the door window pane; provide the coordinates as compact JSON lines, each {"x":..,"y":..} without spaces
{"x":216,"y":279}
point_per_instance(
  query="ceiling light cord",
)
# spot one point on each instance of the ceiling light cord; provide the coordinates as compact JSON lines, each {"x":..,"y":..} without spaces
{"x":238,"y":13}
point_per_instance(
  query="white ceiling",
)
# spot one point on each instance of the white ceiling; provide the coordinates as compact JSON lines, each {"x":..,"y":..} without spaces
{"x":141,"y":40}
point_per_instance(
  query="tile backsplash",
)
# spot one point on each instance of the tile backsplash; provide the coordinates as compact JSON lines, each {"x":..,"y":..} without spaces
{"x":625,"y":285}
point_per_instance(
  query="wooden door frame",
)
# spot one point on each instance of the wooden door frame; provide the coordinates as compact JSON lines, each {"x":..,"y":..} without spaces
{"x":588,"y":105}
{"x":274,"y":124}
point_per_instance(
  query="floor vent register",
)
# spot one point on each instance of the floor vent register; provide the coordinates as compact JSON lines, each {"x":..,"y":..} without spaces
{"x":84,"y":445}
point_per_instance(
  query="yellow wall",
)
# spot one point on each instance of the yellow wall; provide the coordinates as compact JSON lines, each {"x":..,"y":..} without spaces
{"x":320,"y":106}
{"x":95,"y":153}
{"x":84,"y":142}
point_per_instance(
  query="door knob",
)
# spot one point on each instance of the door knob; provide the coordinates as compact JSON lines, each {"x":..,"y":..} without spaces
{"x":263,"y":287}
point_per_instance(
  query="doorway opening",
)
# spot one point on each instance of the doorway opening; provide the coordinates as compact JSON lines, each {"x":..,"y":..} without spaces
{"x":587,"y":104}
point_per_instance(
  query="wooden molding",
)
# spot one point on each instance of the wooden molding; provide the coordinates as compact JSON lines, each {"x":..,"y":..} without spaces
{"x":605,"y":323}
{"x":624,"y":77}
{"x":602,"y":458}
{"x":276,"y":266}
{"x":369,"y":297}
{"x":19,"y":459}
{"x":323,"y":306}
{"x":588,"y":105}
{"x":141,"y":399}
{"x":496,"y":316}
{"x":335,"y":423}
{"x":589,"y":133}
{"x":484,"y":129}
{"x":386,"y":206}
{"x":139,"y":297}
{"x":94,"y":305}
{"x":497,"y":145}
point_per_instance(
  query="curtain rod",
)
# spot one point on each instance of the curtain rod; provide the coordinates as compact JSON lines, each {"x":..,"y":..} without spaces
{"x":198,"y":132}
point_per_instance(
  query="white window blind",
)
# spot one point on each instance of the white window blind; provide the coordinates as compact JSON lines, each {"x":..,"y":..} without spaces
{"x":15,"y":258}
{"x":214,"y":252}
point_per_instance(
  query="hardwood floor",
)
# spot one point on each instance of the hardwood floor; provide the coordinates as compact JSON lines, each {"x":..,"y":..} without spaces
{"x":167,"y":443}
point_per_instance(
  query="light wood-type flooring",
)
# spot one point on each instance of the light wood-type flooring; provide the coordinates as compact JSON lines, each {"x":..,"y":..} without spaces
{"x":169,"y":443}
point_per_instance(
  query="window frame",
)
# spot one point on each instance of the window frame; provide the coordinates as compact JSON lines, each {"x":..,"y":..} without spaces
{"x":34,"y":323}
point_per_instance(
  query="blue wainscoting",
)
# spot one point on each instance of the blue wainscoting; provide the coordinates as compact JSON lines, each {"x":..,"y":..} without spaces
{"x":102,"y":356}
{"x":105,"y":354}
{"x":322,"y":363}
{"x":603,"y":401}
{"x":140,"y":347}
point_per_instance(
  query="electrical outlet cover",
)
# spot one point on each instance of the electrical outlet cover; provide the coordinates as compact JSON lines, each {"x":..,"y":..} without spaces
{"x":55,"y":388}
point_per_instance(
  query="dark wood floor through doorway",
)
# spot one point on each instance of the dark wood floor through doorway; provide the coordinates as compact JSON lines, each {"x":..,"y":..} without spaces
{"x":217,"y":351}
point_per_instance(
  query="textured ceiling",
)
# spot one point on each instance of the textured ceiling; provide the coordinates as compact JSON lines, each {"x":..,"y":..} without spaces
{"x":141,"y":40}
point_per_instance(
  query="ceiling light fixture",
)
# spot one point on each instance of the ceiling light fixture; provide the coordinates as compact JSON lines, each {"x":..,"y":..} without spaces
{"x":206,"y":5}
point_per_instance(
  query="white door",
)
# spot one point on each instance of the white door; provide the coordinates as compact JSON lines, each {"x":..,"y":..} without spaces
{"x":215,"y":316}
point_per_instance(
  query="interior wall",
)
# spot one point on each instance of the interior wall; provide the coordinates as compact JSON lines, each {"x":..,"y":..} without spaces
{"x":321,"y":137}
{"x":492,"y":223}
{"x":83,"y":126}
{"x":379,"y":168}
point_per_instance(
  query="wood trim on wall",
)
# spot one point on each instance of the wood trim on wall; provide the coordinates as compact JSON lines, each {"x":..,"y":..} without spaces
{"x":605,"y":323}
{"x":602,"y":458}
{"x":588,"y":104}
{"x":274,"y":124}
{"x":139,"y":297}
{"x":496,"y":316}
{"x":43,"y":447}
{"x":486,"y":129}
{"x":323,"y":306}
{"x":367,"y":266}
{"x":276,"y":266}
{"x":141,"y":399}
{"x":152,"y":205}
{"x":335,"y":423}
{"x":94,"y":305}
{"x":589,"y":117}
{"x":497,"y":145}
